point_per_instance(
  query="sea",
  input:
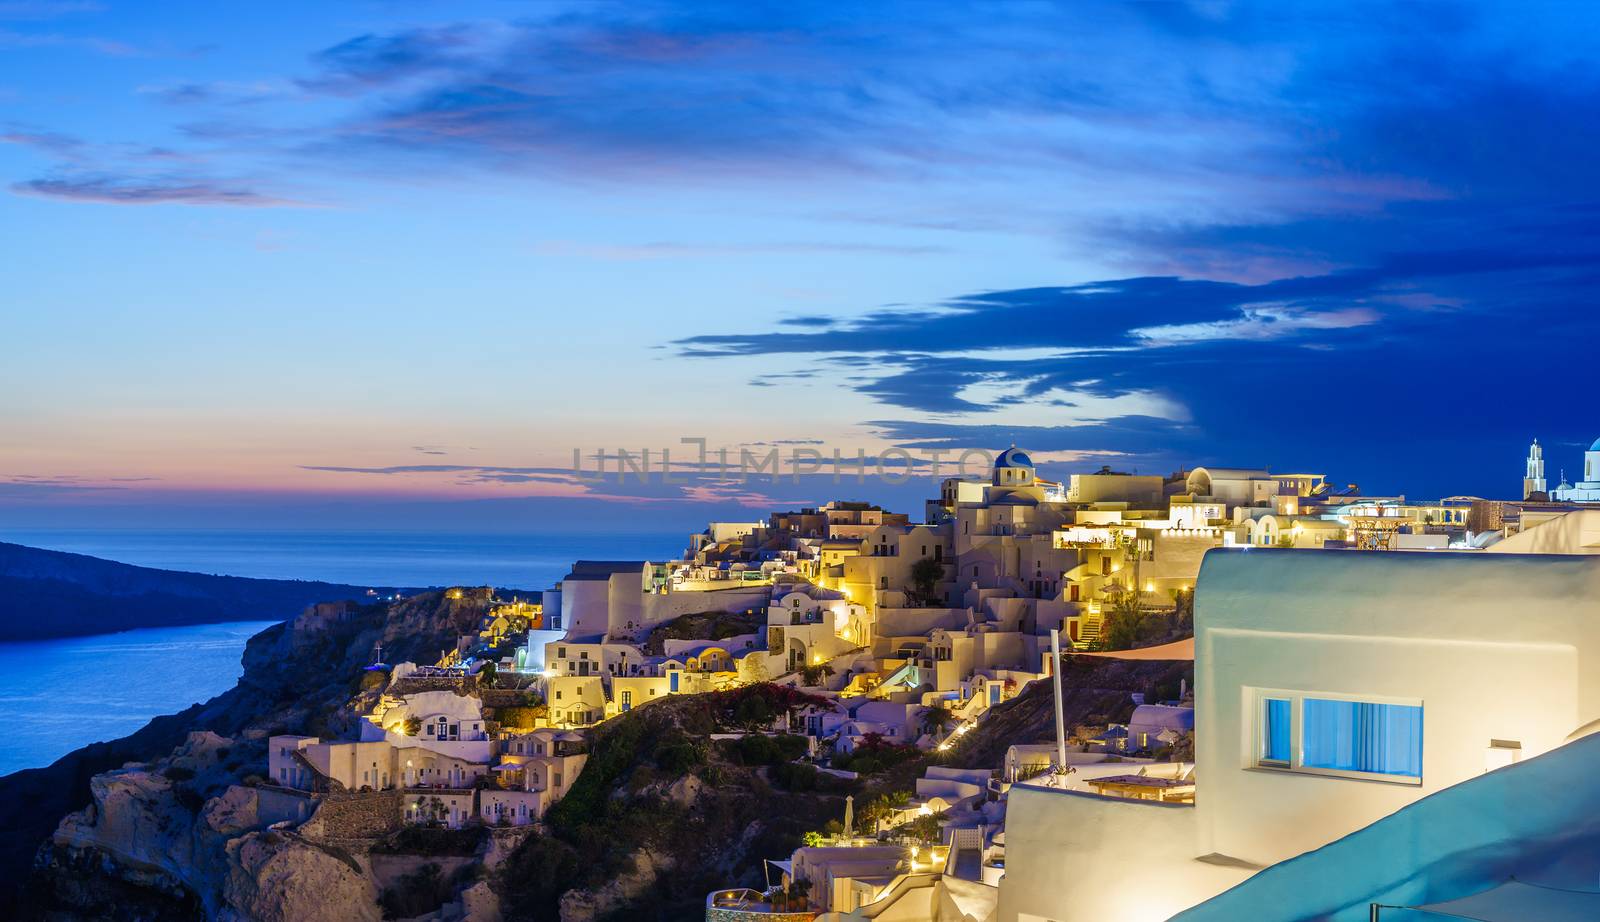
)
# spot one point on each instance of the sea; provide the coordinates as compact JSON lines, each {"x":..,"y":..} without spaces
{"x":70,"y":692}
{"x":62,"y":694}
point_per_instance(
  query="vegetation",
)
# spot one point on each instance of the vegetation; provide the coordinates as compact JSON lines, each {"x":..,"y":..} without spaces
{"x":881,"y":808}
{"x":520,"y":717}
{"x":433,"y":842}
{"x":761,"y":749}
{"x":874,"y":754}
{"x":413,"y":726}
{"x":627,"y":803}
{"x":796,"y":897}
{"x":925,"y":576}
{"x":813,"y":676}
{"x":488,"y":675}
{"x":936,"y":720}
{"x":924,"y":828}
{"x":1129,"y":624}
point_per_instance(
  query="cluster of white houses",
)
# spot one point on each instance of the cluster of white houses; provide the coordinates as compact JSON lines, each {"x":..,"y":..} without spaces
{"x":436,"y":747}
{"x":1332,"y":689}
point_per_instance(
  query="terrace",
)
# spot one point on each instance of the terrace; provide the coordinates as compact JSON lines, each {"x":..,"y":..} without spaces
{"x":746,"y":905}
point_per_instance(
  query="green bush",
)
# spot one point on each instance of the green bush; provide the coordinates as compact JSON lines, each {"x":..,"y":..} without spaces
{"x":679,"y":758}
{"x":433,"y":842}
{"x":761,"y":749}
{"x":795,"y":776}
{"x":753,"y":711}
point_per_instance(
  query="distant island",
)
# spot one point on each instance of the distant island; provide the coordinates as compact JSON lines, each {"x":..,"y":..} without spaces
{"x":46,"y":594}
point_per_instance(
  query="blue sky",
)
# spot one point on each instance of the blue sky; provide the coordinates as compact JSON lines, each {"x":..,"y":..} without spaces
{"x":375,"y":264}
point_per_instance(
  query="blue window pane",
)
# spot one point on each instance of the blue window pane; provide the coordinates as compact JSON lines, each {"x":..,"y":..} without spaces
{"x":1276,"y":738}
{"x":1356,"y":736}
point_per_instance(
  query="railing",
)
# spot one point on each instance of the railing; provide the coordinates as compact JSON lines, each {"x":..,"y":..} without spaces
{"x":743,"y":898}
{"x":746,"y":905}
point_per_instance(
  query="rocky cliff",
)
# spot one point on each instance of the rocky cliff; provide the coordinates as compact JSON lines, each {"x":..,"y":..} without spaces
{"x":161,"y":825}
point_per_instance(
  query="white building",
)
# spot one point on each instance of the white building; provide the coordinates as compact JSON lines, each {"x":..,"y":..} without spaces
{"x":447,"y":723}
{"x":1333,"y":689}
{"x":1586,"y":490}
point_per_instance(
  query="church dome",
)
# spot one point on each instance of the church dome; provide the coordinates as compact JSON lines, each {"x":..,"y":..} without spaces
{"x":1016,"y":457}
{"x":1595,"y":446}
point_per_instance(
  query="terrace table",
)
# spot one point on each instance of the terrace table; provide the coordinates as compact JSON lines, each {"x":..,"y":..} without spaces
{"x":1141,"y":787}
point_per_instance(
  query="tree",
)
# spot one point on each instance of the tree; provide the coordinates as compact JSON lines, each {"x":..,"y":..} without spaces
{"x":814,"y":675}
{"x":1183,"y":609}
{"x":925,"y":575}
{"x":488,"y":674}
{"x":1125,"y":623}
{"x":881,"y":808}
{"x":413,"y":726}
{"x":925,"y":828}
{"x":936,"y":719}
{"x":753,"y":712}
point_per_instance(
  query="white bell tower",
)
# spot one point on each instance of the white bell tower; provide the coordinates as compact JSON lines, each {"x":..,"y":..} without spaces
{"x":1534,"y":481}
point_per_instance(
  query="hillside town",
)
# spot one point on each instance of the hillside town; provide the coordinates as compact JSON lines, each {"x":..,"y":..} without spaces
{"x":1313,"y":625}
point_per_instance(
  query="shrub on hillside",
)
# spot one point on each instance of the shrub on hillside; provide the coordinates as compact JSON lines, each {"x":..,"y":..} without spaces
{"x":433,"y":842}
{"x":761,"y":749}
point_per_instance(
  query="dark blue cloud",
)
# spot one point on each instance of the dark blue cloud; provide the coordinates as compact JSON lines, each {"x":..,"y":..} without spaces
{"x":1422,"y":361}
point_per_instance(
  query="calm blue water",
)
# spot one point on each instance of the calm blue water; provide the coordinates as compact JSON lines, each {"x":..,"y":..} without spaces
{"x":62,"y":694}
{"x":361,"y":558}
{"x":58,"y":695}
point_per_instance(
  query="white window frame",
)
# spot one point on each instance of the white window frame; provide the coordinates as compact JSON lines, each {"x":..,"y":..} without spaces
{"x":1256,"y":760}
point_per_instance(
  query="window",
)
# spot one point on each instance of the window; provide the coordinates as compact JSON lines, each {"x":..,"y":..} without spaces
{"x":1358,"y":736}
{"x":1339,"y":735}
{"x":1275,"y":731}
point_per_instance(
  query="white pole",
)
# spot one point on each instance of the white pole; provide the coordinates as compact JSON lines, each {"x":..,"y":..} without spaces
{"x":1055,"y":678}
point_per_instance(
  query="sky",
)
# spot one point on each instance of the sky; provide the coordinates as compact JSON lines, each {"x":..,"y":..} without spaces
{"x":397,"y":264}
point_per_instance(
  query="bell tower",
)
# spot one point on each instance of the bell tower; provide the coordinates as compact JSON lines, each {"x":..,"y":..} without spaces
{"x":1533,"y":482}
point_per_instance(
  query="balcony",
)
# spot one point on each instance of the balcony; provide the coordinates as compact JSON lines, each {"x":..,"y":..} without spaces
{"x":746,"y":905}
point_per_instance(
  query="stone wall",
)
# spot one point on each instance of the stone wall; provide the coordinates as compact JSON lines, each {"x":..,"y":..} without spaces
{"x":412,"y":684}
{"x":503,"y":697}
{"x":370,"y":815}
{"x":716,"y":914}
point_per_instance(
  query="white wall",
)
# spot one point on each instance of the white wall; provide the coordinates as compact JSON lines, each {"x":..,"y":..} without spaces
{"x":1464,"y":840}
{"x":1083,"y":858}
{"x":1494,"y":648}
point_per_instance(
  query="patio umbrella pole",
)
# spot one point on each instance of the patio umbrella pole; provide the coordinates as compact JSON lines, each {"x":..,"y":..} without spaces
{"x":1055,"y":678}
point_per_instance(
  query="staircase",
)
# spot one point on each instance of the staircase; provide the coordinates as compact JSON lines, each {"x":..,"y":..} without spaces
{"x":1089,"y":630}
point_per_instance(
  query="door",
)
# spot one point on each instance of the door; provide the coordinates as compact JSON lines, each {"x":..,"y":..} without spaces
{"x":627,"y":700}
{"x":672,"y":682}
{"x":994,"y":693}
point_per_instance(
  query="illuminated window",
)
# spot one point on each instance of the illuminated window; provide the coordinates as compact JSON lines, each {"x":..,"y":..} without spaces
{"x":1275,"y":731}
{"x":1340,"y":735}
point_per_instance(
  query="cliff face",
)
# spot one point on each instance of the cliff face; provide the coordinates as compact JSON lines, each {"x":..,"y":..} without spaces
{"x":156,"y":832}
{"x":152,"y":856}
